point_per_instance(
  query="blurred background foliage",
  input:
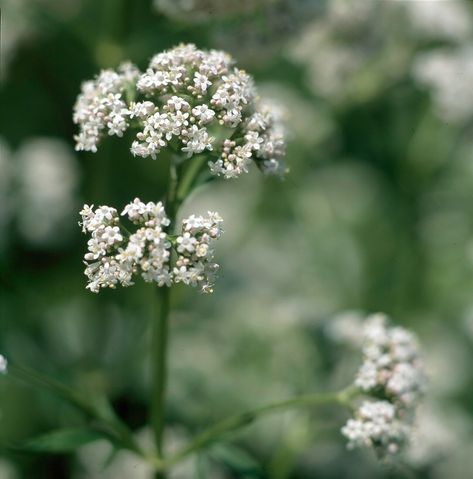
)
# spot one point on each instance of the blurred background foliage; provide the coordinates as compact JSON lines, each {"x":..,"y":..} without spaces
{"x":376,"y":214}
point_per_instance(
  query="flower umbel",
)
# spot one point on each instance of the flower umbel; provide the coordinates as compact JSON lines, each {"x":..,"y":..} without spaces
{"x":190,"y":101}
{"x":392,"y":368}
{"x":115,"y":256}
{"x":392,"y":375}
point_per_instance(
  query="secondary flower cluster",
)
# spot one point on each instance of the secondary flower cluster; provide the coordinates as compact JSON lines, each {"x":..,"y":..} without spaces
{"x":115,"y":256}
{"x":187,"y":100}
{"x":194,"y":265}
{"x":376,"y":425}
{"x":102,"y":106}
{"x":392,"y":373}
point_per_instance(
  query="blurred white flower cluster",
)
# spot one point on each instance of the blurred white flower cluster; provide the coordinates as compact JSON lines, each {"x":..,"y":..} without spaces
{"x":356,"y":49}
{"x":262,"y":28}
{"x":376,"y":425}
{"x":391,"y":365}
{"x":22,"y":23}
{"x":439,"y":19}
{"x":115,"y":255}
{"x":3,"y":364}
{"x":449,"y":74}
{"x":393,"y":375}
{"x":38,"y":190}
{"x":338,"y":47}
{"x":201,"y":10}
{"x":188,"y":100}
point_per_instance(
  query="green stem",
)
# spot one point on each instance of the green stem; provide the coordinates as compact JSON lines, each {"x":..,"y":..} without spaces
{"x":233,"y":423}
{"x":159,"y":344}
{"x":172,"y":203}
{"x":159,"y":368}
{"x":189,"y":177}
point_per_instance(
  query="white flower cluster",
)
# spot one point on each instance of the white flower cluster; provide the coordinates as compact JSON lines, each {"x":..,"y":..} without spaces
{"x":114,"y":255}
{"x":102,"y":106}
{"x":376,"y":425}
{"x":185,"y":100}
{"x":391,"y":366}
{"x":194,"y":265}
{"x":3,"y":364}
{"x":393,"y":374}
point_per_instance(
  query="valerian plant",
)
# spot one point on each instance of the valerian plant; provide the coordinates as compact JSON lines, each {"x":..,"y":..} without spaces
{"x":196,"y":110}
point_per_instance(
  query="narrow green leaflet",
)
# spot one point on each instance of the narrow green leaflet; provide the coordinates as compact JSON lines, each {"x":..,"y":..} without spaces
{"x":237,"y":460}
{"x":38,"y":380}
{"x":63,"y":440}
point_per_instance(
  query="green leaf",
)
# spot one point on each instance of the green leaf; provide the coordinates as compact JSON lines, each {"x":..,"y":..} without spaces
{"x":36,"y":379}
{"x":237,"y":460}
{"x":63,"y":440}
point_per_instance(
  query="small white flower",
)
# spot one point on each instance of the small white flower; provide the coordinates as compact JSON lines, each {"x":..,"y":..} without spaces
{"x":176,"y":103}
{"x":111,"y":235}
{"x":203,"y":113}
{"x":141,"y":109}
{"x":201,"y":82}
{"x":186,"y":243}
{"x":253,"y":140}
{"x":196,"y":141}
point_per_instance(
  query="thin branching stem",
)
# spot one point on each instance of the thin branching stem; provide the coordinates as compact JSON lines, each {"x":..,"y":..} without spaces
{"x":233,"y":423}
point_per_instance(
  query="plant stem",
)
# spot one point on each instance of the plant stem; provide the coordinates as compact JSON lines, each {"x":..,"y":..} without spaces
{"x":159,"y":368}
{"x":172,"y":204}
{"x":189,"y":176}
{"x":159,"y":344}
{"x":232,"y":423}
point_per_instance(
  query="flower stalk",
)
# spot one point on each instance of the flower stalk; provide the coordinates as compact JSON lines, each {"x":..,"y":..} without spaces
{"x":159,"y":369}
{"x":159,"y":345}
{"x":233,"y":423}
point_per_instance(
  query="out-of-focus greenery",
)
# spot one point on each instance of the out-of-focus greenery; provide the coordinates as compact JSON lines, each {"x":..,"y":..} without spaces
{"x":376,"y":215}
